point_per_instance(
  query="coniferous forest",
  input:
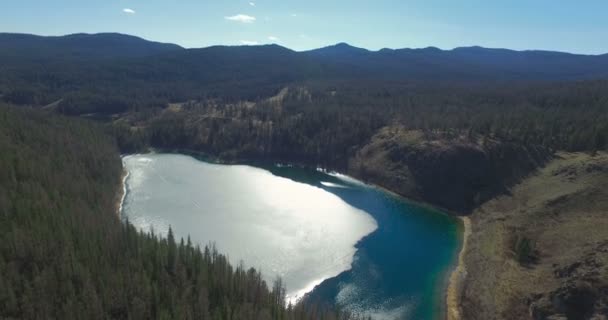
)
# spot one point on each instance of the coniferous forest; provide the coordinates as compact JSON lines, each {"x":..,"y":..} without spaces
{"x":65,"y":254}
{"x":450,"y":128}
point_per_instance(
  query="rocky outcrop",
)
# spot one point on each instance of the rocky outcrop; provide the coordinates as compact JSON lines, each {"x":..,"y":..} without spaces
{"x":453,"y":172}
{"x":581,"y":295}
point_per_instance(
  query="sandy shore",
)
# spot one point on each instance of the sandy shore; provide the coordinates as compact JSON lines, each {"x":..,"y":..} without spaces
{"x":457,"y":277}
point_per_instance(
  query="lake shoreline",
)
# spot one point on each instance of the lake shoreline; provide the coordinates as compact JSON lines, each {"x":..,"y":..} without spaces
{"x":262,"y":162}
{"x":458,"y":276}
{"x":454,"y":279}
{"x":122,"y":191}
{"x":342,"y":257}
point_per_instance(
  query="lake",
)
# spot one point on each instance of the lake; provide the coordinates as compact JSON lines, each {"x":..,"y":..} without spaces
{"x":365,"y":249}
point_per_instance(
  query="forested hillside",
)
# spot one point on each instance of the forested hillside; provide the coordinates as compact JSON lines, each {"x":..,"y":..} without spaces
{"x":452,"y":128}
{"x":466,"y":144}
{"x":325,"y":107}
{"x":84,"y":47}
{"x":322,"y":124}
{"x":113,"y":73}
{"x":64,"y":253}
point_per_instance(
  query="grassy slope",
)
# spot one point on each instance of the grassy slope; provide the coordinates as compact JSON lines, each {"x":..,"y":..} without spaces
{"x":562,"y":212}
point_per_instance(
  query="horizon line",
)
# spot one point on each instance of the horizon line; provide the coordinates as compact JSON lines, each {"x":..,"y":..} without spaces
{"x":341,"y":43}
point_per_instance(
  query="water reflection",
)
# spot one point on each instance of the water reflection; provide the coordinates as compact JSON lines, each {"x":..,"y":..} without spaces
{"x":377,"y":253}
{"x":285,"y":228}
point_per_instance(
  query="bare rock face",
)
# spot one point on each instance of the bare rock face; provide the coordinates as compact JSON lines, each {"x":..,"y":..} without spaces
{"x":576,"y":301}
{"x":454,"y":172}
{"x":573,"y":300}
{"x":584,"y":292}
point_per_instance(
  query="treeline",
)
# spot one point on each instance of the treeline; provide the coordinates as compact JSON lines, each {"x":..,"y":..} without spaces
{"x":106,"y":86}
{"x":111,"y":73}
{"x":325,"y":124}
{"x":340,"y":95}
{"x":65,"y":254}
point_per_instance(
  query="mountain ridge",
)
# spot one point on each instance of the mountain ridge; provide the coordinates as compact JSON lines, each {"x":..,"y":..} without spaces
{"x":19,"y":46}
{"x":86,"y":70}
{"x":338,"y":44}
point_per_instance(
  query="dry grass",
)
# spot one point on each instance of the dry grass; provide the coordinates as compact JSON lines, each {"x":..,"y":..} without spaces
{"x":563,"y":210}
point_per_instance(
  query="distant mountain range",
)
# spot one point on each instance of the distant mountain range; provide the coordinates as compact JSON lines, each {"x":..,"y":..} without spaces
{"x":470,"y":63}
{"x":340,"y":60}
{"x":79,"y":46}
{"x":109,"y":72}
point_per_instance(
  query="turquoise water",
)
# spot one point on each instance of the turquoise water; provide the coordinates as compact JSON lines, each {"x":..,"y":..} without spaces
{"x":364,"y":249}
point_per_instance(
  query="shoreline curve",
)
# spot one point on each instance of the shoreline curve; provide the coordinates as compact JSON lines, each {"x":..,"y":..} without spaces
{"x":122,"y":192}
{"x":458,"y":276}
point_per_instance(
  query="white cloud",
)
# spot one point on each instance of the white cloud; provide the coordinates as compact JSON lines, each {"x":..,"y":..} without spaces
{"x":252,"y":4}
{"x":249,"y":43}
{"x":294,"y":14}
{"x":273,"y":38}
{"x":128,"y":11}
{"x":241,"y":18}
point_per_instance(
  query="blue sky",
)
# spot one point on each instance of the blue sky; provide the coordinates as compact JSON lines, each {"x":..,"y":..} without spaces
{"x":564,"y":25}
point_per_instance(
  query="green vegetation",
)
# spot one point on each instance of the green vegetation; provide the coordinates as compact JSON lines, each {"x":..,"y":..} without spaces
{"x":451,"y":128}
{"x":64,"y":254}
{"x":326,"y":125}
{"x":338,"y":97}
{"x":524,"y":249}
{"x":471,"y":143}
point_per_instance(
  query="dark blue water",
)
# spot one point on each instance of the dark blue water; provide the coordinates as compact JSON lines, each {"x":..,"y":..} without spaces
{"x":400,"y":270}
